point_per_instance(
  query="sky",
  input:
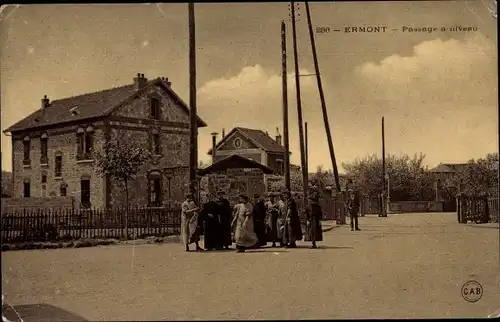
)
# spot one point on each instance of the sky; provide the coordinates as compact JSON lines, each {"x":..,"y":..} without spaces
{"x":436,"y":90}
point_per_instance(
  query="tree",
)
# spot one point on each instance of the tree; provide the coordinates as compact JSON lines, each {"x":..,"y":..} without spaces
{"x":479,"y":177}
{"x":278,"y":184}
{"x":321,"y":178}
{"x":409,"y":179}
{"x":121,"y":162}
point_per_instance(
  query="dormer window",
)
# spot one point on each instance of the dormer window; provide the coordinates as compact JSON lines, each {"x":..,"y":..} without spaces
{"x":44,"y":159}
{"x":154,"y":105}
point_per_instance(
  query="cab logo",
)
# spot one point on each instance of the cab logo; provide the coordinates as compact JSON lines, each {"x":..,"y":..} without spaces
{"x":472,"y":291}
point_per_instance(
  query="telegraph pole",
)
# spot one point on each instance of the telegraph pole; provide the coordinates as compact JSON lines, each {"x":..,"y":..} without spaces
{"x":385,"y":198}
{"x":322,"y":98}
{"x":306,"y":148}
{"x":383,"y":155}
{"x":286,"y":161}
{"x":299,"y":109}
{"x":193,"y":124}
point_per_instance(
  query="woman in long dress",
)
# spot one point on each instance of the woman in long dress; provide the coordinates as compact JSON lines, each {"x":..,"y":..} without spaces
{"x":190,"y":230}
{"x":244,"y":235}
{"x":272,"y":220}
{"x":314,"y":214}
{"x":293,"y":228}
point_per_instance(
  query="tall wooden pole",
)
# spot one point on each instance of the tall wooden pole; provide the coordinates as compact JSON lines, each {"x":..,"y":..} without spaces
{"x":383,"y":155}
{"x":286,"y":141}
{"x":306,"y":148}
{"x":322,"y":98}
{"x":385,"y":200}
{"x":193,"y":126}
{"x":299,"y":109}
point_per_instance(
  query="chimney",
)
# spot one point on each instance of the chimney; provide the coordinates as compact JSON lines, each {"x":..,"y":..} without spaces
{"x":165,"y":79}
{"x":223,"y":133}
{"x":278,"y":136}
{"x":214,"y":143}
{"x":140,"y":81}
{"x":45,"y":102}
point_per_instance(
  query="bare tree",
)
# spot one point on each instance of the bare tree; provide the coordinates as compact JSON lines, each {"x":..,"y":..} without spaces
{"x":121,"y":162}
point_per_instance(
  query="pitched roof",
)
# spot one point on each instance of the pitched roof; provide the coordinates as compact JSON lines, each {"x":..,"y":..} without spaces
{"x":88,"y":106}
{"x":448,"y":167}
{"x":234,"y":162}
{"x":258,"y":137}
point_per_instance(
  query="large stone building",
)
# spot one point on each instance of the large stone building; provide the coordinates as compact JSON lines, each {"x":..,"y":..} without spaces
{"x":52,"y":147}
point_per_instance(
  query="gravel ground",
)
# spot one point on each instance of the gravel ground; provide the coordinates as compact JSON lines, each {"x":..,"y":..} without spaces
{"x":403,"y":266}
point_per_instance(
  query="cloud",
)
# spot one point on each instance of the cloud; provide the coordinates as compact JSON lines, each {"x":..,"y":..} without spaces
{"x":253,"y":98}
{"x":441,"y":100}
{"x":451,"y":73}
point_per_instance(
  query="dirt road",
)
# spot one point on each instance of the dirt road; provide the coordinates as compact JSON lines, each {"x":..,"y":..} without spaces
{"x":403,"y":266}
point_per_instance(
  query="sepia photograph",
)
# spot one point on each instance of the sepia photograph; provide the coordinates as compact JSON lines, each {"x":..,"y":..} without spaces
{"x":249,"y":161}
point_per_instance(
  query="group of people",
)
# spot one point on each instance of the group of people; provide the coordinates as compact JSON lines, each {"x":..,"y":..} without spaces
{"x":249,"y":224}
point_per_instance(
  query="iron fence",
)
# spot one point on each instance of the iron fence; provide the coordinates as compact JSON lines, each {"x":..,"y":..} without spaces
{"x":67,"y":224}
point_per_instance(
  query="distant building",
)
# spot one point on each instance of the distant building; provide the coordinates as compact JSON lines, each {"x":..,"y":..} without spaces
{"x":252,"y":144}
{"x":52,"y":149}
{"x":444,"y":171}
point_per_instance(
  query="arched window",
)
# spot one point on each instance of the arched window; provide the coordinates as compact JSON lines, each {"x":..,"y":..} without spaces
{"x":85,"y":143}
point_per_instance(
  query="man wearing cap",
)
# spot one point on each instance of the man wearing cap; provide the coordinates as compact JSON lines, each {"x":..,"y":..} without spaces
{"x":225,"y":219}
{"x":259,"y":216}
{"x":190,"y":230}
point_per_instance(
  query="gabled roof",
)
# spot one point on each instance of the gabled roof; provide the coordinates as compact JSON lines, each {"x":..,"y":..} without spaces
{"x":89,"y":106}
{"x":258,"y":137}
{"x":234,"y":162}
{"x":448,"y":167}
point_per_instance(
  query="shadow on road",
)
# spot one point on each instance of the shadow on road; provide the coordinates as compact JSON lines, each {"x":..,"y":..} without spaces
{"x":322,"y":247}
{"x":478,"y":226}
{"x":38,"y":312}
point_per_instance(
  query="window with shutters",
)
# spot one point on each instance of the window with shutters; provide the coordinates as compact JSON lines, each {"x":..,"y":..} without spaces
{"x":154,"y":105}
{"x":85,"y":143}
{"x":155,"y":144}
{"x":26,"y":151}
{"x":44,"y":158}
{"x":58,"y":166}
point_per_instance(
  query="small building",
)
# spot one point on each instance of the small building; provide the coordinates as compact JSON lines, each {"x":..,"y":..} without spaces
{"x":236,"y":175}
{"x":52,"y":149}
{"x":252,"y":144}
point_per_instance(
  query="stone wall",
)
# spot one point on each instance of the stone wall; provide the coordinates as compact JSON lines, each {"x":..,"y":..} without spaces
{"x":60,"y":140}
{"x":19,"y":205}
{"x":237,"y":181}
{"x":415,"y":206}
{"x":135,"y":127}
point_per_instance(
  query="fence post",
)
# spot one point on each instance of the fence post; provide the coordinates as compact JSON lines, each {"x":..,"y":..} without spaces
{"x":458,"y":208}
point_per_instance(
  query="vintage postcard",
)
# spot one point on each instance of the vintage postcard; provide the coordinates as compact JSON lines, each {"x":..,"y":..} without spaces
{"x":250,"y":161}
